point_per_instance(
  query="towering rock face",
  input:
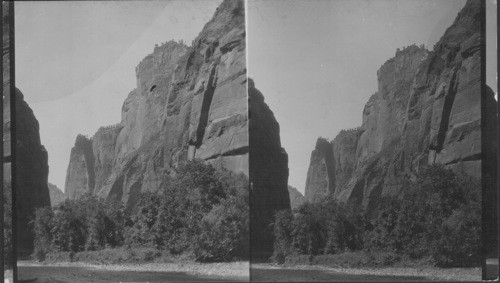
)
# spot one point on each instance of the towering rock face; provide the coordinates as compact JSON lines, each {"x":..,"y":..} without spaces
{"x":190,"y":102}
{"x":320,"y":175}
{"x":56,"y":195}
{"x":296,"y":198}
{"x":427,"y":110}
{"x":31,"y":173}
{"x":268,"y":171}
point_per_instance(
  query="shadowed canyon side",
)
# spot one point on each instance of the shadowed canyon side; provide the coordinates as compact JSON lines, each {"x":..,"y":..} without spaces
{"x":427,"y":110}
{"x":189,"y":103}
{"x":32,"y":172}
{"x":268,"y":171}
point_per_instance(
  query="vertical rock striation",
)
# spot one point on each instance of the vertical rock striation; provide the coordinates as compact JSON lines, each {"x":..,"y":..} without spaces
{"x":427,"y":110}
{"x":189,"y":102}
{"x":320,"y":175}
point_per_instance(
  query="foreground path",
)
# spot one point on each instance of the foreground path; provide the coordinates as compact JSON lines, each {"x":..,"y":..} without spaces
{"x":268,"y":273}
{"x":81,"y":272}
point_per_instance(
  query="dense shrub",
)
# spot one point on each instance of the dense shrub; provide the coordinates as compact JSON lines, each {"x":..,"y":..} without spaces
{"x":380,"y":232}
{"x":327,"y":227}
{"x":282,"y":236}
{"x":436,"y":219}
{"x":85,"y":224}
{"x":43,"y":225}
{"x":440,"y":216}
{"x":201,"y":210}
{"x":224,"y":230}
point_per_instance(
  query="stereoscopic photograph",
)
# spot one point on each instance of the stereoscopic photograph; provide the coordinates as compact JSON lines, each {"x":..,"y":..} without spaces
{"x":250,"y":140}
{"x":132,"y":141}
{"x":389,"y":133}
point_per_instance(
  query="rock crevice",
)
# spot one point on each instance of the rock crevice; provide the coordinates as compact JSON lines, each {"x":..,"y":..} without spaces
{"x":427,"y":110}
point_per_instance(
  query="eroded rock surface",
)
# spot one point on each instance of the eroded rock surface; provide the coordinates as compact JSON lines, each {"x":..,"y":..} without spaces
{"x":296,"y":197}
{"x":190,"y":102}
{"x":56,"y":195}
{"x":427,"y":110}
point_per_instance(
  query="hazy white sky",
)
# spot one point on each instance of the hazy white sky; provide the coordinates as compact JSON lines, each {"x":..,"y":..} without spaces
{"x":316,"y":61}
{"x":75,"y":61}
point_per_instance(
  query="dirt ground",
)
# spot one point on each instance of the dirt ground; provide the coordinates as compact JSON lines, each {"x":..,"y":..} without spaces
{"x":237,"y":271}
{"x":151,"y":272}
{"x":269,"y":273}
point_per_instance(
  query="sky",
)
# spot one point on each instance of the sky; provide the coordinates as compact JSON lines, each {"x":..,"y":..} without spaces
{"x":316,"y":61}
{"x":75,"y":61}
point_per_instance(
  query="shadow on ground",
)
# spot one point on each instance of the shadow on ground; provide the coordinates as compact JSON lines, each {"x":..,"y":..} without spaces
{"x":304,"y":275}
{"x":75,"y":274}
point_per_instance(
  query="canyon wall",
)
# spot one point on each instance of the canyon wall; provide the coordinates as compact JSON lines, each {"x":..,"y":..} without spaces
{"x":427,"y":110}
{"x":31,"y":173}
{"x":296,"y":197}
{"x":189,"y":102}
{"x":268,"y":171}
{"x":56,"y":195}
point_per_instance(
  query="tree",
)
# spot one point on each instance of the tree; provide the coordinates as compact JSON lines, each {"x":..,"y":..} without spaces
{"x":43,"y":226}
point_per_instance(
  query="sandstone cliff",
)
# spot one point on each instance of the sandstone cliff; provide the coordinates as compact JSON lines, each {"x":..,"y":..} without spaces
{"x":190,"y":102}
{"x":56,"y":195}
{"x":427,"y":110}
{"x":31,"y":172}
{"x":268,"y":171}
{"x":296,"y":198}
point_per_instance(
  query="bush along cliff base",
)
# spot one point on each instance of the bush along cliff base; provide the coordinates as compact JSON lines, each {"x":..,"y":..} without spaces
{"x":201,"y":213}
{"x":435,"y":220}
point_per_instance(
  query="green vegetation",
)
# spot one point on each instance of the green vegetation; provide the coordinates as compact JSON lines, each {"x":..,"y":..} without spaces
{"x":201,"y":212}
{"x":436,"y":220}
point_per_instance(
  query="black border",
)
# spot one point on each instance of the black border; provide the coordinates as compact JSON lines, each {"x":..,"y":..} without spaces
{"x":2,"y":240}
{"x":13,"y":127}
{"x":13,"y":136}
{"x":484,"y":182}
{"x":498,"y":146}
